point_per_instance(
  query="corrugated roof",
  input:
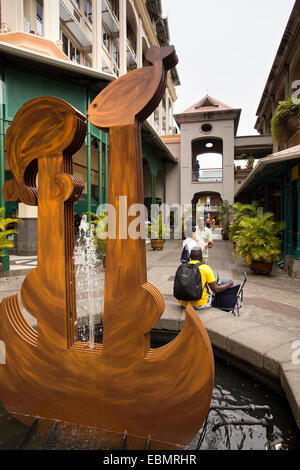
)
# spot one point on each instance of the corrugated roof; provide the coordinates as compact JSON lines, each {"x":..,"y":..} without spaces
{"x":292,"y":153}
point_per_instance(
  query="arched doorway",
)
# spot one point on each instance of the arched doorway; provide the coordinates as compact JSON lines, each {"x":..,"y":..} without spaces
{"x":207,"y":160}
{"x":206,"y":203}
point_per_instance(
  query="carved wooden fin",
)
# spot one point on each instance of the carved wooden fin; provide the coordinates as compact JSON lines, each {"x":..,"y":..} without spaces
{"x":46,"y":127}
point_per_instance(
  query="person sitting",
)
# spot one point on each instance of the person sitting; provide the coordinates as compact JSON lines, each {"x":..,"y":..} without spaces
{"x":207,"y":277}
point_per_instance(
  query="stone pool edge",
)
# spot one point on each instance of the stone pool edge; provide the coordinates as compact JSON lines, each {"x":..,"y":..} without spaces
{"x":265,"y":348}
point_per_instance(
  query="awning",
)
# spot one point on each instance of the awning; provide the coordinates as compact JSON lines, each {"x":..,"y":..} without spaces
{"x":272,"y":166}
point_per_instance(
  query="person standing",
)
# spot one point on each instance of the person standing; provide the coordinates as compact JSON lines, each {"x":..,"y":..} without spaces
{"x":197,"y":170}
{"x":204,"y":237}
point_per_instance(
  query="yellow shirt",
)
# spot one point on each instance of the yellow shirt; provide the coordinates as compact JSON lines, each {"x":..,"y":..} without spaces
{"x":207,"y":276}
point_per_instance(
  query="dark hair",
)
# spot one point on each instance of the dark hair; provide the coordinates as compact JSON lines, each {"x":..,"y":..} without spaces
{"x":194,"y":229}
{"x":196,"y":254}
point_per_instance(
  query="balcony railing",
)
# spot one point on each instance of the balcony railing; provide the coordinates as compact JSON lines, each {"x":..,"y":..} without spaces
{"x":110,"y":16}
{"x":209,"y":175}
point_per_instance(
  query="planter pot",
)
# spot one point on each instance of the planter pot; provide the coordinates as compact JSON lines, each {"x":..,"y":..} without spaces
{"x":261,"y":267}
{"x":157,"y":244}
{"x":225,"y":236}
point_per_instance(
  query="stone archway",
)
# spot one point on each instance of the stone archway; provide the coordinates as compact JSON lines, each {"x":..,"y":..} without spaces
{"x":207,"y":202}
{"x":202,"y":149}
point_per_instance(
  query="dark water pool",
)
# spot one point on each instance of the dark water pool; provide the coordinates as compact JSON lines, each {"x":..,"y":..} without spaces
{"x":232,"y":387}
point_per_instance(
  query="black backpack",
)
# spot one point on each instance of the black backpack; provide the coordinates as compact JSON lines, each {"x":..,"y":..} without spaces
{"x":185,"y":255}
{"x":188,"y":282}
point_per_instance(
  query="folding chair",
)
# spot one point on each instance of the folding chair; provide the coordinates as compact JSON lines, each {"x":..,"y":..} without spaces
{"x":231,"y":300}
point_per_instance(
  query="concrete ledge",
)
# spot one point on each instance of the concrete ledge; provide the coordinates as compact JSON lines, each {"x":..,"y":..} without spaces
{"x":290,"y":381}
{"x":265,"y":348}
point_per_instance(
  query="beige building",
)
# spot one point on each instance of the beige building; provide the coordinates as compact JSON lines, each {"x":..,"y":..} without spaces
{"x":106,"y":35}
{"x":283,"y":81}
{"x":72,"y":49}
{"x":208,"y":136}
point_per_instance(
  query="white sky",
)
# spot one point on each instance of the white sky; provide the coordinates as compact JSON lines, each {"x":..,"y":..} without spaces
{"x":226,"y":48}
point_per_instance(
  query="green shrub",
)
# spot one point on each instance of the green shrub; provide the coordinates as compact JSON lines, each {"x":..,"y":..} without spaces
{"x":258,"y":238}
{"x":284,"y":111}
{"x":4,"y":234}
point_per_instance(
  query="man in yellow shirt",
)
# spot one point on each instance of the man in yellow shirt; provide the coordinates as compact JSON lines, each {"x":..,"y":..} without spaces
{"x":207,"y":277}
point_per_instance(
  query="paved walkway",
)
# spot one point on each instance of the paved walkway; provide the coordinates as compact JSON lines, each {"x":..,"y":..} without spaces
{"x":262,"y":336}
{"x":269,"y":322}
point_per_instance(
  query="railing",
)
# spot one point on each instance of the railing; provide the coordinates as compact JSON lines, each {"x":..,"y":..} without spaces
{"x":114,"y":6}
{"x":209,"y":175}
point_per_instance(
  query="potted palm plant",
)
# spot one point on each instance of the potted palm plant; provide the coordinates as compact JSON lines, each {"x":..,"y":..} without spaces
{"x":250,"y":160}
{"x":5,"y":242}
{"x":157,"y":232}
{"x":258,"y":242}
{"x":239,"y":211}
{"x":224,"y":214}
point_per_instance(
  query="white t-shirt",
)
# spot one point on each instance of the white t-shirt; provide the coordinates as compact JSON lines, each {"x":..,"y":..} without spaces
{"x":203,"y":236}
{"x":190,"y":244}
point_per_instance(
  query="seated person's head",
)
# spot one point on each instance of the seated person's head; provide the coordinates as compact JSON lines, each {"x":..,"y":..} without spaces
{"x":196,"y":254}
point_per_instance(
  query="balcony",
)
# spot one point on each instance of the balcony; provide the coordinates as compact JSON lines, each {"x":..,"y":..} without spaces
{"x":68,"y":19}
{"x":208,"y":175}
{"x":109,"y":17}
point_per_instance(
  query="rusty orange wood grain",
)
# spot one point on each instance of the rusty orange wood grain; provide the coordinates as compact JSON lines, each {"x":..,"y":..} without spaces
{"x":122,"y":384}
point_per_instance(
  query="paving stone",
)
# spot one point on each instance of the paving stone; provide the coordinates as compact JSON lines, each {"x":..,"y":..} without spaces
{"x":253,"y":344}
{"x":278,"y":358}
{"x":221,"y":329}
{"x":290,"y":382}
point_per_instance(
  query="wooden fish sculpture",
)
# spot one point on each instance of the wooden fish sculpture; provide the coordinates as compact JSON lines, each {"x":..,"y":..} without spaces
{"x":122,"y":384}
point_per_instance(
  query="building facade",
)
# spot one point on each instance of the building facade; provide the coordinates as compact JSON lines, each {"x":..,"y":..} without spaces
{"x":275,"y":182}
{"x":109,"y":36}
{"x":72,"y":50}
{"x":209,"y":152}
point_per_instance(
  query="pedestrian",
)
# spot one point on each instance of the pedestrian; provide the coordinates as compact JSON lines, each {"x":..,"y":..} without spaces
{"x":197,"y":170}
{"x":204,"y":237}
{"x":207,"y":277}
{"x":189,"y":244}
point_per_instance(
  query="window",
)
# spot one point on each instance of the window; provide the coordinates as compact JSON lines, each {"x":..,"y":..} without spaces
{"x":88,"y":12}
{"x":39,"y":17}
{"x":114,"y":5}
{"x":116,"y":56}
{"x":105,"y":40}
{"x":69,"y":49}
{"x":206,"y":127}
{"x":77,"y":4}
{"x":131,"y":37}
{"x":74,"y":54}
{"x":87,"y":62}
{"x":76,"y":15}
{"x":65,"y":44}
